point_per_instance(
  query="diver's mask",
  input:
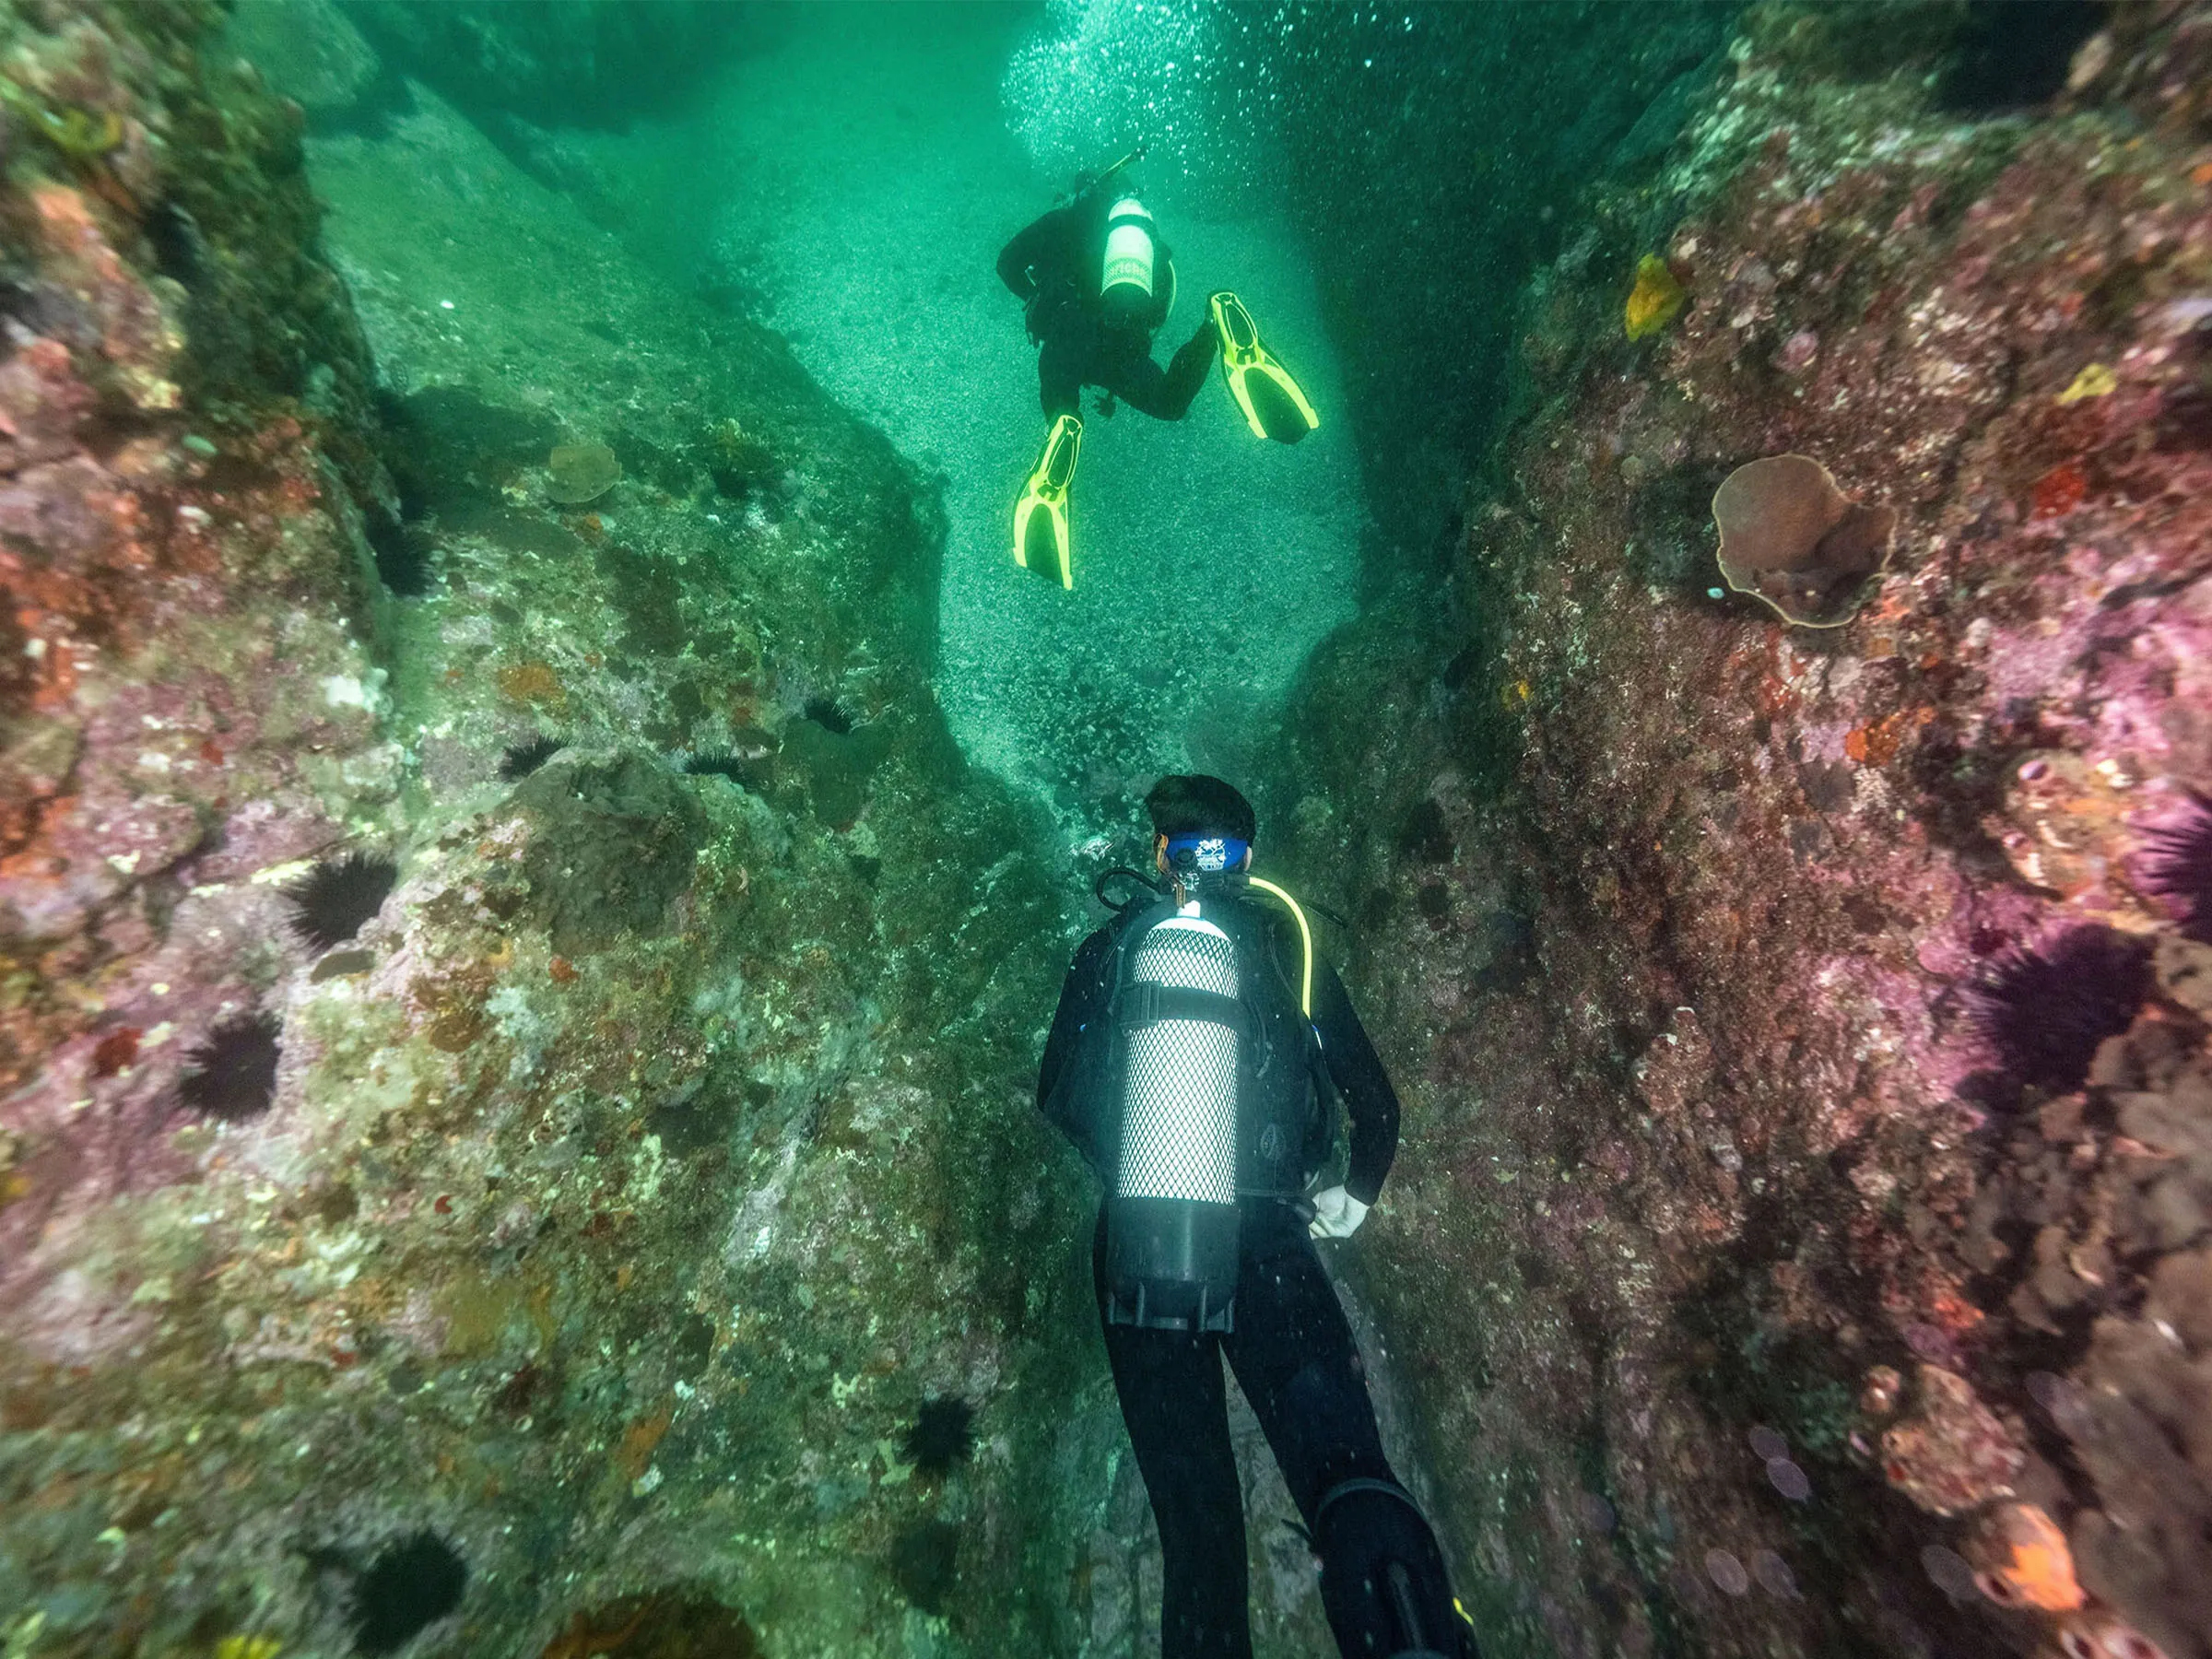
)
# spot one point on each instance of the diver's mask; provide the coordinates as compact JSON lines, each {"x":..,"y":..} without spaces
{"x":1206,"y":866}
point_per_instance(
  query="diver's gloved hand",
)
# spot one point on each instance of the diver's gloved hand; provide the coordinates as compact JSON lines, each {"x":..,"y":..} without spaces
{"x":1336,"y":1214}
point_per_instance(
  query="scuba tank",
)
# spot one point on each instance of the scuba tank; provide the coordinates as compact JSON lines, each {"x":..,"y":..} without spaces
{"x":1171,"y":1203}
{"x":1209,"y":1095}
{"x":1125,"y":275}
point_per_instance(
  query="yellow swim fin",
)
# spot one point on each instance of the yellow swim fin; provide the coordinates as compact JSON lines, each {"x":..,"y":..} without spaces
{"x":1273,"y":403}
{"x":1040,"y":537}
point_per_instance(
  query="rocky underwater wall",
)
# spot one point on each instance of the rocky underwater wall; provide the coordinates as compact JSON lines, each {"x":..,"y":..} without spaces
{"x":1803,"y":1237}
{"x":515,"y":1022}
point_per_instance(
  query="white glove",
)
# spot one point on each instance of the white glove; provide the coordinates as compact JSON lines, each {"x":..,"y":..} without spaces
{"x":1336,"y":1214}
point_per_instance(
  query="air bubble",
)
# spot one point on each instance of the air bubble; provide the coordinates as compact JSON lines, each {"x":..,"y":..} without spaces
{"x":1728,"y":1572}
{"x":1788,"y":1479}
{"x":1949,"y":1571}
{"x":1774,"y":1573}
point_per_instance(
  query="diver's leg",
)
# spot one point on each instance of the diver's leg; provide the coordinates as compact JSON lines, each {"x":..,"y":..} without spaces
{"x":1176,"y":1408}
{"x":1382,"y":1571}
{"x":1131,"y":375}
{"x":1061,"y":361}
{"x":1187,"y":370}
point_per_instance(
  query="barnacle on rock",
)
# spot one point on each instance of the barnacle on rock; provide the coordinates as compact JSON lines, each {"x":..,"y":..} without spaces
{"x":2044,"y":1011}
{"x":338,"y":897}
{"x":232,"y":1074}
{"x":1795,"y":542}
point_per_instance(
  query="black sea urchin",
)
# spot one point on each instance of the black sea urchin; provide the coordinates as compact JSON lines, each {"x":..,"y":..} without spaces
{"x":943,"y":1434}
{"x":742,"y":771}
{"x":232,"y":1075}
{"x":2177,"y":866}
{"x":524,"y":759}
{"x":411,"y":1584}
{"x":2044,"y":1011}
{"x":336,"y":898}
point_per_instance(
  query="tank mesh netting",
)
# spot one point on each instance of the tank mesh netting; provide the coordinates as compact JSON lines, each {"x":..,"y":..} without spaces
{"x":1179,"y":1099}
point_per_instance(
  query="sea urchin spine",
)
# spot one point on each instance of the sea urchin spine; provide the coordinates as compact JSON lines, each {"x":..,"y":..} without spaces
{"x":336,"y":899}
{"x":524,"y":759}
{"x":232,"y":1075}
{"x":2046,"y":1011}
{"x":2176,"y":867}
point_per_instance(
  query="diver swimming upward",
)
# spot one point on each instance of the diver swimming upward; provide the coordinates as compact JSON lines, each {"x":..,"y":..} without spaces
{"x":1097,"y":283}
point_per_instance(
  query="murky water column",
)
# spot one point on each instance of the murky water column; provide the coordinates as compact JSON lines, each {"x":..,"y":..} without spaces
{"x":1208,"y":562}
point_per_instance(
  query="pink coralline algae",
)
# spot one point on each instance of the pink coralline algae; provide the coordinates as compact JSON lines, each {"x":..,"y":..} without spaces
{"x":1854,"y":944}
{"x":1950,"y":1453}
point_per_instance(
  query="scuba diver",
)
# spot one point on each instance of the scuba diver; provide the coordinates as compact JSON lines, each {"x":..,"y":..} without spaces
{"x":1195,"y":1061}
{"x":1097,"y":283}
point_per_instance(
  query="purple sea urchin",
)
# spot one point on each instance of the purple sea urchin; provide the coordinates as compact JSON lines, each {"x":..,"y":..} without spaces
{"x":524,"y":759}
{"x":232,"y":1074}
{"x":337,"y":897}
{"x":2176,"y":867}
{"x":943,"y":1434}
{"x":2044,"y":1011}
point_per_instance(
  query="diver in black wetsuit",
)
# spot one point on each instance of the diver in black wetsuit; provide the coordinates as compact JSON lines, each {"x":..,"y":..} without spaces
{"x":1091,"y":332}
{"x":1185,"y":1274}
{"x":1096,"y":284}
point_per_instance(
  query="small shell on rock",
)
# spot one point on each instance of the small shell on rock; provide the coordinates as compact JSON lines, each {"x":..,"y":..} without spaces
{"x":1795,"y":542}
{"x":1878,"y":1394}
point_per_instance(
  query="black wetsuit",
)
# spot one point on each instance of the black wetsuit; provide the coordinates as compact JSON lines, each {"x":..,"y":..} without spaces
{"x":1295,"y":1361}
{"x":1053,"y":267}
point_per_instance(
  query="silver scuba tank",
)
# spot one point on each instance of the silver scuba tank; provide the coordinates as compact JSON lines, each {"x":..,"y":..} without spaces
{"x":1171,"y":1207}
{"x":1125,"y":277}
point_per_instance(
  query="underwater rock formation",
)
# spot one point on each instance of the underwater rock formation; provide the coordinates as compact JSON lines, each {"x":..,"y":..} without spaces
{"x":561,"y":1257}
{"x":580,"y":62}
{"x":1730,"y":1150}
